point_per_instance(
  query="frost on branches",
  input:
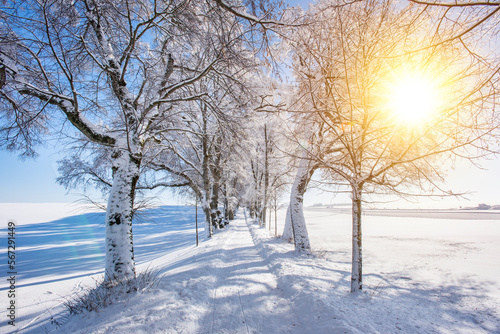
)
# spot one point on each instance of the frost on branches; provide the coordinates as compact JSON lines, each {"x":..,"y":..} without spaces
{"x":119,"y":74}
{"x":344,"y":61}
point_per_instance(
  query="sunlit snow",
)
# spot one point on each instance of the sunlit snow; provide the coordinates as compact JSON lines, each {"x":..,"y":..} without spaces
{"x":424,"y":272}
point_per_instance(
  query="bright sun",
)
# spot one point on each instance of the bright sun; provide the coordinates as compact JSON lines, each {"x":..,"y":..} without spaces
{"x":413,"y":99}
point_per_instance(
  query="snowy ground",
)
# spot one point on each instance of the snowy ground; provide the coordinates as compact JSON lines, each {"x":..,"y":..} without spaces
{"x":438,"y":274}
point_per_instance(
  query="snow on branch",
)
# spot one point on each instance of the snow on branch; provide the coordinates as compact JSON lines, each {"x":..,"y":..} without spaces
{"x":249,"y":17}
{"x":189,"y":181}
{"x":66,"y":105}
{"x":163,"y":184}
{"x":180,"y":99}
{"x":459,"y":35}
{"x":457,"y":3}
{"x":167,"y":91}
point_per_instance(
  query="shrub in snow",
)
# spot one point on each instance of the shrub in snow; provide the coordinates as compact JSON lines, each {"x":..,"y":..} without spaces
{"x":483,"y":206}
{"x":107,"y":291}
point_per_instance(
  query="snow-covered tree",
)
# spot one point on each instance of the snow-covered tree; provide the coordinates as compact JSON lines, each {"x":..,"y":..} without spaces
{"x":116,"y":71}
{"x":463,"y":20}
{"x":268,"y":164}
{"x":308,"y":136}
{"x":203,"y":150}
{"x":208,"y":147}
{"x":360,"y":66}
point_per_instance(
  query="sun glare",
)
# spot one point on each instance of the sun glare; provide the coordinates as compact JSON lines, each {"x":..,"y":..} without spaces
{"x":413,"y":99}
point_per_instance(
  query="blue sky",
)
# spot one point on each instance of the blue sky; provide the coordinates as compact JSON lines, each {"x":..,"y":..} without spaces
{"x":33,"y":180}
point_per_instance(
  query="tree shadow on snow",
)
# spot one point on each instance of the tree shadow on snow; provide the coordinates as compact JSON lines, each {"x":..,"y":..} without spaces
{"x":74,"y":245}
{"x":233,"y":297}
{"x":389,"y":303}
{"x":462,"y":305}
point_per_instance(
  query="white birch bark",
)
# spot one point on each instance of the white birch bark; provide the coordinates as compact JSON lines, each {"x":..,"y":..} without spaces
{"x":208,"y":219}
{"x":357,"y":255}
{"x":119,"y":240}
{"x":287,"y":235}
{"x":266,"y":175}
{"x":208,"y":223}
{"x":296,"y":207}
{"x":295,"y":210}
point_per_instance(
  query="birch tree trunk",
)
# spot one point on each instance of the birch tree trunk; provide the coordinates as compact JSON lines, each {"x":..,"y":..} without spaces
{"x":206,"y":203}
{"x":357,"y":255}
{"x":120,"y":262}
{"x":214,"y":200}
{"x":208,"y":225}
{"x":227,"y":204}
{"x":298,"y":222}
{"x":295,"y":211}
{"x":206,"y":175}
{"x":266,"y":175}
{"x":295,"y":223}
{"x":287,"y":235}
{"x":214,"y":205}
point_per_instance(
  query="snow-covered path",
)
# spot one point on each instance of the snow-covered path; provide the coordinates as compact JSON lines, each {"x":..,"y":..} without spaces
{"x":222,"y":286}
{"x":442,"y":279}
{"x":246,"y":298}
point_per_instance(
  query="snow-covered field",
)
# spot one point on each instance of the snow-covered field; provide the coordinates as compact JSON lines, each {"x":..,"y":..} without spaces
{"x":424,"y":272}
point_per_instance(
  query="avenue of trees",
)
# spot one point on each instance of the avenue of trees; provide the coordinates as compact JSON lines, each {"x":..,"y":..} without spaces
{"x":188,"y":95}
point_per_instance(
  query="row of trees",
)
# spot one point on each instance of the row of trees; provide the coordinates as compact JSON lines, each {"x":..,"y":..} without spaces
{"x":140,"y":88}
{"x":346,"y":57}
{"x":182,"y":94}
